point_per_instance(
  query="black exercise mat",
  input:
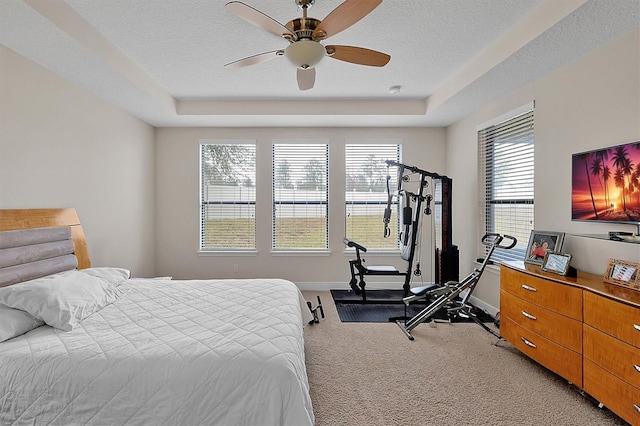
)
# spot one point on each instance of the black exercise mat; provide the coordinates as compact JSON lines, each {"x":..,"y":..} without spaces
{"x":383,"y":305}
{"x":373,"y":296}
{"x":374,"y":312}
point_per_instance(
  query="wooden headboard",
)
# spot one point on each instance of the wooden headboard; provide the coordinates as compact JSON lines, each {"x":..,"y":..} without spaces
{"x":42,"y":218}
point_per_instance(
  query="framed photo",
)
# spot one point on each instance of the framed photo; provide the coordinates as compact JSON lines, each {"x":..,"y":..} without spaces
{"x":541,"y":242}
{"x":623,"y":273}
{"x":558,"y":263}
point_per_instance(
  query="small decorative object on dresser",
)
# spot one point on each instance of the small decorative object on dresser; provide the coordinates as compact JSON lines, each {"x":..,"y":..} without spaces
{"x":540,"y":243}
{"x":623,"y":273}
{"x":558,"y":263}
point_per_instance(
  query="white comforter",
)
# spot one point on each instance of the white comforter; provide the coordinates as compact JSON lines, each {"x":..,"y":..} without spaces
{"x":224,"y":352}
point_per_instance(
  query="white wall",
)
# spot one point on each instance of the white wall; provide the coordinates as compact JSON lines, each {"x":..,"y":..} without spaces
{"x":591,"y":103}
{"x":177,"y":219}
{"x":63,"y":147}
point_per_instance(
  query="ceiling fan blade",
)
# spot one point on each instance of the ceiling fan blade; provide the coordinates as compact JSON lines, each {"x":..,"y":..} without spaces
{"x":255,"y":59}
{"x":259,"y":19}
{"x":343,"y":16}
{"x":306,"y":78}
{"x":358,"y":55}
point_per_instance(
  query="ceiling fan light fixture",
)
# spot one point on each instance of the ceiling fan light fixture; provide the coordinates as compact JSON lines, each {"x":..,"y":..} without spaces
{"x":305,"y":34}
{"x":305,"y":53}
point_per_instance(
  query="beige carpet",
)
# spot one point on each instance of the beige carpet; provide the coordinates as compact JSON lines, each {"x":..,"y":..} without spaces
{"x":453,"y":374}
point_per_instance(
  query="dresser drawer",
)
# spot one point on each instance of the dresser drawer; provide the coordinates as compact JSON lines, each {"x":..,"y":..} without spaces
{"x":613,"y":355}
{"x":619,"y":396}
{"x":556,"y":358}
{"x":614,"y":318}
{"x":555,"y":327}
{"x":561,"y":298}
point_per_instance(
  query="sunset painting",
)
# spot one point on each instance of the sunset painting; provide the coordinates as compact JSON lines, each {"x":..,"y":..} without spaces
{"x":606,"y":184}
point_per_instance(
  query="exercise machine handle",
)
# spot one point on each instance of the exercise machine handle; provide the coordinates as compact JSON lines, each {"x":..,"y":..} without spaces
{"x":495,"y":239}
{"x":350,"y":243}
{"x":511,"y":245}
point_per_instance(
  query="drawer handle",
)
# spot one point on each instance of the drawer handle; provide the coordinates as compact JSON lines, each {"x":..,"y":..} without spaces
{"x":636,"y":326}
{"x":528,"y":315}
{"x":528,"y":288}
{"x":528,"y":343}
{"x":636,"y":407}
{"x":637,"y":367}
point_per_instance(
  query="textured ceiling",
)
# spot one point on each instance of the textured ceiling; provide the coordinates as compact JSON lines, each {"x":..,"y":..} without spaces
{"x":162,"y":60}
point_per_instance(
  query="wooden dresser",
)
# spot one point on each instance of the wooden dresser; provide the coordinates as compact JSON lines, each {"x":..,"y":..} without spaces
{"x":581,"y":328}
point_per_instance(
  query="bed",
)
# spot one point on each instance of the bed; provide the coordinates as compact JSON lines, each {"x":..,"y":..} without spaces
{"x":94,"y":346}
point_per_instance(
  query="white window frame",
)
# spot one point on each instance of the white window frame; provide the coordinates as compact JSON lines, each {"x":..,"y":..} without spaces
{"x":394,"y":247}
{"x":277,"y":202}
{"x":229,"y":251}
{"x":518,"y":163}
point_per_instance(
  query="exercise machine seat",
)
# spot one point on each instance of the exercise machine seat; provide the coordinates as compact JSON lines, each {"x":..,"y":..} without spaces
{"x":419,"y":291}
{"x":383,"y":270}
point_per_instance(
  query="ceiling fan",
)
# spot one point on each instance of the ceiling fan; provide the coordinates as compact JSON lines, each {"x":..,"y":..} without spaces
{"x":305,"y":34}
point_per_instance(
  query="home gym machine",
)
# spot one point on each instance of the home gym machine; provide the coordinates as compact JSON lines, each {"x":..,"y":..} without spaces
{"x":446,"y":262}
{"x":447,"y":296}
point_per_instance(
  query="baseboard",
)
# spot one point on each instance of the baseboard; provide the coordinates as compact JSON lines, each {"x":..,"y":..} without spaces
{"x":323,"y":286}
{"x":491,"y":310}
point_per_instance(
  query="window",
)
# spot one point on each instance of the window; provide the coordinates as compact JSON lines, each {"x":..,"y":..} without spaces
{"x":366,"y":193}
{"x":300,"y":196}
{"x":505,"y":155}
{"x":227,"y":196}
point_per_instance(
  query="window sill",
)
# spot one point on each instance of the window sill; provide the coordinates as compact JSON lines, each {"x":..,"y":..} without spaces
{"x":492,"y":267}
{"x":374,"y":252}
{"x":227,"y":252}
{"x":301,"y":252}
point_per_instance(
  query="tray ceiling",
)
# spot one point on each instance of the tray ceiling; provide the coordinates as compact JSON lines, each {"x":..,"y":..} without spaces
{"x":162,"y":60}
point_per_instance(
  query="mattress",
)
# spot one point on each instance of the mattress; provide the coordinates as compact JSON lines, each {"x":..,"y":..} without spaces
{"x":169,"y":352}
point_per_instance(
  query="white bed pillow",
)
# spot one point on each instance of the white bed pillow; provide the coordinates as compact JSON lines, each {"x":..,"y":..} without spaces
{"x":14,"y":322}
{"x":61,"y":300}
{"x":115,"y":276}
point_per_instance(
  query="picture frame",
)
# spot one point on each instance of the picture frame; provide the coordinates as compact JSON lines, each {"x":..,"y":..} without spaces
{"x":623,"y":273}
{"x":541,"y":242}
{"x":558,"y":263}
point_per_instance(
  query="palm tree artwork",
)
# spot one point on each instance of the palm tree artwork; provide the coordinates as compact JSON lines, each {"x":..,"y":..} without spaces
{"x":606,"y":184}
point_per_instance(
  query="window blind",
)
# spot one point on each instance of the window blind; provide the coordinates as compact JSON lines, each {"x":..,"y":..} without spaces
{"x":366,"y":193}
{"x":300,"y":196}
{"x":227,"y":196}
{"x":506,"y":167}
